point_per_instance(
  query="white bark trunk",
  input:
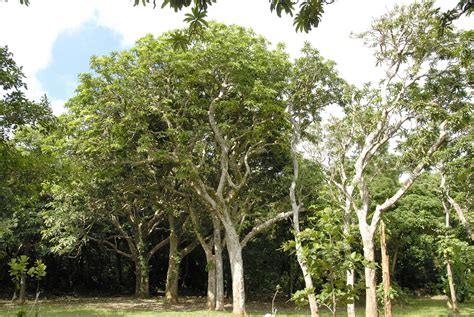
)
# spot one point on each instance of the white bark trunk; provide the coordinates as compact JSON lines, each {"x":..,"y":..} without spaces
{"x":308,"y":281}
{"x":350,"y":281}
{"x":295,"y":207}
{"x":385,"y":271}
{"x":370,"y":277}
{"x":349,"y":273}
{"x":449,"y":271}
{"x":461,"y":215}
{"x":236,"y":266}
{"x":219,"y":265}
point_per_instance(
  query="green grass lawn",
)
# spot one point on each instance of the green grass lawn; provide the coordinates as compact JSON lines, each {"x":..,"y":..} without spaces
{"x":194,"y":307}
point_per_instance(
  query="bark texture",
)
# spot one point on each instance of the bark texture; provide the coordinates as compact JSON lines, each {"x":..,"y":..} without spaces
{"x":385,"y":272}
{"x":172,"y":275}
{"x":453,"y":302}
{"x":141,"y":277}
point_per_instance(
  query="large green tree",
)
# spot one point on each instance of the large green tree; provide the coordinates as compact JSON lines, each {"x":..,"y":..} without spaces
{"x":23,"y":165}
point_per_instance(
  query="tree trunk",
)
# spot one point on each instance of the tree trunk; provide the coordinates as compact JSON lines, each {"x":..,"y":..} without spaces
{"x":308,"y":281}
{"x":350,"y":272}
{"x":350,"y":281}
{"x":141,"y":277}
{"x":211,"y":282}
{"x":370,"y":278}
{"x":219,"y":265}
{"x":172,"y":275}
{"x":23,"y":288}
{"x":295,"y":207}
{"x":395,"y":254}
{"x":385,"y":271}
{"x":452,"y":287}
{"x":236,"y":267}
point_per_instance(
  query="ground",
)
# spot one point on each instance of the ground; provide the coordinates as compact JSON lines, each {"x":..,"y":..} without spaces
{"x":194,"y":307}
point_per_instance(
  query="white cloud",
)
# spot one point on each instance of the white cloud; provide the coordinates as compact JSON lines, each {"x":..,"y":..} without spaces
{"x":30,"y":32}
{"x":57,"y":106}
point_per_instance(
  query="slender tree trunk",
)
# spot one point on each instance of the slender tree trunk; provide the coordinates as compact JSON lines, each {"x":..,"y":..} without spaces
{"x":370,"y":277}
{"x":308,"y":281}
{"x":172,"y":275}
{"x":219,"y":265}
{"x":449,"y":270}
{"x":350,"y":282}
{"x":385,"y":271}
{"x":295,"y":207}
{"x":23,"y":288}
{"x":236,"y":266}
{"x":211,"y":282}
{"x":141,"y":276}
{"x":395,"y":255}
{"x":349,"y":273}
{"x":452,"y":288}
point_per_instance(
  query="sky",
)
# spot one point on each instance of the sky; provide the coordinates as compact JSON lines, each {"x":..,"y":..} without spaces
{"x":53,"y":40}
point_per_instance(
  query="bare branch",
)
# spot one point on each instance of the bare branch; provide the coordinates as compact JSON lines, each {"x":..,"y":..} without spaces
{"x":157,"y":247}
{"x":264,"y":226}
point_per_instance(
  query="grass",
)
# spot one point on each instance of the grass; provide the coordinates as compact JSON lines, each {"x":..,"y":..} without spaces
{"x":194,"y":307}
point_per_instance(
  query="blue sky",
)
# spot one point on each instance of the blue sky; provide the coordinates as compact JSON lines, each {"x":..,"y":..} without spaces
{"x":70,"y":56}
{"x":64,"y":34}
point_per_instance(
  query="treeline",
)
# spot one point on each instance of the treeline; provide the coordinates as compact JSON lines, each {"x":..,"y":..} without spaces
{"x":209,"y":168}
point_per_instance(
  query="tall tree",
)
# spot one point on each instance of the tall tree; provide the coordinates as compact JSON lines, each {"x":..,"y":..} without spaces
{"x":23,"y":164}
{"x":227,"y":112}
{"x":420,"y":100}
{"x":314,"y":85}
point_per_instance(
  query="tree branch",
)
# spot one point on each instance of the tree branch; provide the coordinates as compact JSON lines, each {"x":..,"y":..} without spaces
{"x":157,"y":247}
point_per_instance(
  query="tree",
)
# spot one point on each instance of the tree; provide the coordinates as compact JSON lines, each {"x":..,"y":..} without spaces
{"x":115,"y":142}
{"x":234,"y":101}
{"x":224,"y":105}
{"x":314,"y":84}
{"x":23,"y":165}
{"x":409,"y":48}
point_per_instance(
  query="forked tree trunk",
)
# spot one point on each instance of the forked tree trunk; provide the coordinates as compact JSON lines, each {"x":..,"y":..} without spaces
{"x":236,"y":267}
{"x":219,"y":265}
{"x":172,"y":275}
{"x":141,"y":277}
{"x":385,"y":271}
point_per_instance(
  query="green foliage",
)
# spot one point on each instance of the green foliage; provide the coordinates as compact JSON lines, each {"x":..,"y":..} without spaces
{"x":23,"y":165}
{"x":461,"y":256}
{"x":307,"y":17}
{"x":38,"y":270}
{"x":325,"y":247}
{"x":396,"y":294}
{"x":18,"y":268}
